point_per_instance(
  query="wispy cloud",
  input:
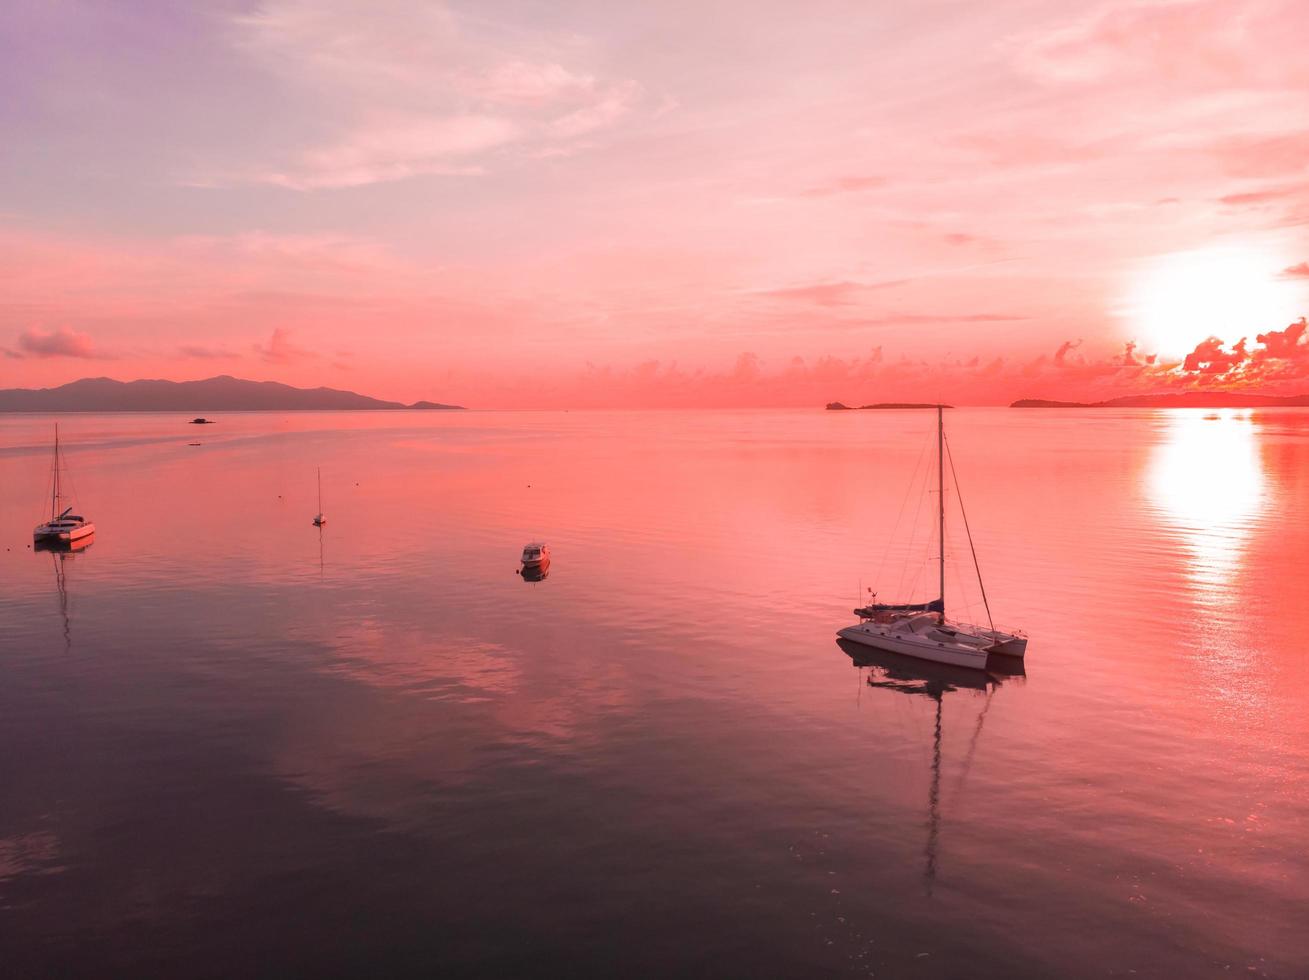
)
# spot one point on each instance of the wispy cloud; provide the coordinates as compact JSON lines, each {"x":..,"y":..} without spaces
{"x":206,"y":353}
{"x":844,"y":185}
{"x":415,"y":89}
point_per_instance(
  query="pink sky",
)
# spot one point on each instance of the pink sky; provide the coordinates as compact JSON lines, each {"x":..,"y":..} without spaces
{"x":720,"y":203}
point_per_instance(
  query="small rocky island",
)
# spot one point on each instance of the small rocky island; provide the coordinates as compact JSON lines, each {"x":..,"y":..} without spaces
{"x":839,"y":407}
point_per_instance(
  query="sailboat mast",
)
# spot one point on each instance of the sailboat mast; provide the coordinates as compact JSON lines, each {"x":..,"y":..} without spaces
{"x":320,"y":490}
{"x":54,"y":490}
{"x":940,"y":497}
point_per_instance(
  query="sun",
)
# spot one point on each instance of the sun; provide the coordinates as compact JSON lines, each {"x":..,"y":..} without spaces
{"x":1179,"y":299}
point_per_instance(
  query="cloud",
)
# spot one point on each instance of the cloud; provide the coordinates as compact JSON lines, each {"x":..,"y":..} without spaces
{"x":396,"y":149}
{"x":418,"y":90}
{"x":281,"y":350}
{"x":1275,"y":155}
{"x":527,"y":83}
{"x":1300,"y":271}
{"x":1258,"y":198}
{"x":1123,"y":40}
{"x":1209,"y":357}
{"x":61,"y":342}
{"x":821,"y":293}
{"x":844,"y":185}
{"x":1282,"y":356}
{"x":205,"y":353}
{"x":1064,"y":349}
{"x":842,"y":293}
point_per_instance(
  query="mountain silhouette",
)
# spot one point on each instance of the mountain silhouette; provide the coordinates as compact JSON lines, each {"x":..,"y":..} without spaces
{"x":223,"y":393}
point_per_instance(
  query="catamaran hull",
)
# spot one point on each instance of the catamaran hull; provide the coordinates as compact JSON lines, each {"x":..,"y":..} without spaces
{"x":880,"y":638}
{"x":1010,"y":646}
{"x":64,"y":537}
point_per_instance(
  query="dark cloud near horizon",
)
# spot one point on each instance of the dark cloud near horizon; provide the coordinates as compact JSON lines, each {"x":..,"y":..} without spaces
{"x":1281,"y":355}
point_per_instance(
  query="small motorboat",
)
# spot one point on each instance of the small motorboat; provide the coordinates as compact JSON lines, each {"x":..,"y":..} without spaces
{"x":536,"y":554}
{"x":201,"y":421}
{"x":64,"y":527}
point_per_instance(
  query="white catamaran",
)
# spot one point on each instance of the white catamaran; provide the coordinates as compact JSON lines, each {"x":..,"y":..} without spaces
{"x":64,"y":527}
{"x":921,"y":629}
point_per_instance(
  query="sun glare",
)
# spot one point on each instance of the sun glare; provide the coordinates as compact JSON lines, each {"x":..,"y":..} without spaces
{"x":1180,"y":299}
{"x":1207,"y":479}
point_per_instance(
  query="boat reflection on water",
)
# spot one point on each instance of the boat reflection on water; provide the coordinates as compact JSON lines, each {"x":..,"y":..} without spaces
{"x":909,"y":675}
{"x":536,"y":573}
{"x":64,"y":547}
{"x":61,"y":552}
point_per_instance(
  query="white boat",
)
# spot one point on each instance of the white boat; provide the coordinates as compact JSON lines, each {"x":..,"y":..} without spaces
{"x":64,"y":527}
{"x":536,"y":554}
{"x":921,"y":629}
{"x":320,"y":519}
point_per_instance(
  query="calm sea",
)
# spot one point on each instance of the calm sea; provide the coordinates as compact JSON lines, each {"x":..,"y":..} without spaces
{"x":231,"y":745}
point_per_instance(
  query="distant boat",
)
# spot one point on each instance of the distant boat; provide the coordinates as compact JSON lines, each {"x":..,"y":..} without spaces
{"x":320,"y":520}
{"x":535,"y":555}
{"x":201,"y":421}
{"x":920,"y":629}
{"x":64,"y":527}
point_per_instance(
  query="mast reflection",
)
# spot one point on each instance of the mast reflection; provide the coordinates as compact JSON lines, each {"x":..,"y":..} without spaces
{"x":921,"y":678}
{"x":60,"y":553}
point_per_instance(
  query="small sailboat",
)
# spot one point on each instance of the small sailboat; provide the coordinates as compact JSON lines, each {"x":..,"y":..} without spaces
{"x":320,"y":519}
{"x":920,"y":629}
{"x":64,"y":527}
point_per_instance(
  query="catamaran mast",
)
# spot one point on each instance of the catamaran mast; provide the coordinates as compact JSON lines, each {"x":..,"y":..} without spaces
{"x":940,"y":497}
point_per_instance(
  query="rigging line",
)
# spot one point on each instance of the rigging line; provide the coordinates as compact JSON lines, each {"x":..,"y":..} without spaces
{"x":913,"y":533}
{"x":972,"y":744}
{"x":971,"y":547}
{"x":904,"y":502}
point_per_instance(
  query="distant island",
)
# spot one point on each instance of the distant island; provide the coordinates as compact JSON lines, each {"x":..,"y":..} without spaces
{"x":838,"y":407}
{"x":1186,"y":399}
{"x":221,"y":394}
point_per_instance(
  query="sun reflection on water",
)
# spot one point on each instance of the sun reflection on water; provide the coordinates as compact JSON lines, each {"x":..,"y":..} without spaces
{"x":1208,"y":484}
{"x":1207,"y":480}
